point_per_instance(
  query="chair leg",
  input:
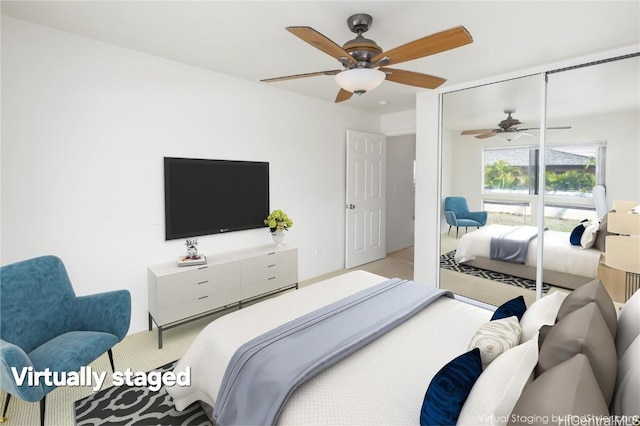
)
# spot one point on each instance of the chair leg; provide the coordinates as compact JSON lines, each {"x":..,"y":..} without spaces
{"x":449,"y":230}
{"x":457,"y":229}
{"x":42,"y":408}
{"x":6,"y":405}
{"x":110,"y":353}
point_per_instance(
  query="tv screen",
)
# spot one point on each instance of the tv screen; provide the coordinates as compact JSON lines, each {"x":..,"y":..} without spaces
{"x":203,"y":197}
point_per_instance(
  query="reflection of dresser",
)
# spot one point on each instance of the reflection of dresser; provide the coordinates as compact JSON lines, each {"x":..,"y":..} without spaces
{"x":620,"y":271}
{"x":177,"y":295}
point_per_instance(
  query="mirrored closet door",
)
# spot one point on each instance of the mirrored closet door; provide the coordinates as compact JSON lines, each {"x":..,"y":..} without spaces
{"x":493,"y":159}
{"x":489,"y":167}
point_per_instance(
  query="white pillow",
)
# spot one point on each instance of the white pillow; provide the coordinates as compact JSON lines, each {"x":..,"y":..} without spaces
{"x":627,"y":393}
{"x":498,"y":388}
{"x":628,"y":324}
{"x":588,"y":238}
{"x":496,"y":337}
{"x":541,"y":312}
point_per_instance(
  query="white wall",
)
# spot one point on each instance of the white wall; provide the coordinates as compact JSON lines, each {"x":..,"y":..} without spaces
{"x":85,"y":126}
{"x":401,"y":153}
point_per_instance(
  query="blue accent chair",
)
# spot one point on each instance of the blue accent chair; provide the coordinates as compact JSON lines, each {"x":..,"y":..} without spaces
{"x":456,"y":213}
{"x":44,"y":325}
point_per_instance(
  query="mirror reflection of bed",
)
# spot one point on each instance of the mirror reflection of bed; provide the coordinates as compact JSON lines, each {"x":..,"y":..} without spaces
{"x":600,"y":105}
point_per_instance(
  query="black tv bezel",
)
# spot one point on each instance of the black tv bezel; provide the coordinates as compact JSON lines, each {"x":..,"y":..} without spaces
{"x":170,"y":235}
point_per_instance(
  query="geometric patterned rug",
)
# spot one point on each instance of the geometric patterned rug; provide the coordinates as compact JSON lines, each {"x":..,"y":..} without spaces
{"x":136,"y":405}
{"x":447,"y":262}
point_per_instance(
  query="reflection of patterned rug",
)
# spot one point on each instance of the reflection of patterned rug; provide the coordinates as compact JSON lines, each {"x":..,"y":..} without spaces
{"x":447,"y":262}
{"x":131,"y":405}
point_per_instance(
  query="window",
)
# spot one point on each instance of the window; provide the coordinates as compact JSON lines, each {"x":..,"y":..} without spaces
{"x":571,"y":170}
{"x":571,"y":173}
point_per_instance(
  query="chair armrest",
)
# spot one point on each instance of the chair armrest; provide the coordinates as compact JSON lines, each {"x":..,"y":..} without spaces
{"x":450,"y":218}
{"x":480,"y":217}
{"x":14,"y":363}
{"x":108,"y":312}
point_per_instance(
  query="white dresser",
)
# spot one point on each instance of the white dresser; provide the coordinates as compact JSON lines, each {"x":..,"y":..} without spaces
{"x":181,"y":294}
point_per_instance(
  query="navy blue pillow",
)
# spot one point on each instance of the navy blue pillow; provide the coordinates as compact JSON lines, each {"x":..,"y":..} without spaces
{"x":576,"y":234}
{"x":449,"y":389}
{"x":510,"y":308}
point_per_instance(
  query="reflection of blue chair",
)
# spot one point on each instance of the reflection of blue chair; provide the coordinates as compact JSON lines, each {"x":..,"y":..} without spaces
{"x":456,"y":212}
{"x":46,"y":327}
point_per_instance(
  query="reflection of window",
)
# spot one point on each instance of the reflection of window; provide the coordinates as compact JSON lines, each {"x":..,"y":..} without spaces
{"x":509,"y":170}
{"x":571,"y":170}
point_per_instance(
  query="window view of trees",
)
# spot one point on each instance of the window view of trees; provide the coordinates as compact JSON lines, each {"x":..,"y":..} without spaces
{"x":568,"y":173}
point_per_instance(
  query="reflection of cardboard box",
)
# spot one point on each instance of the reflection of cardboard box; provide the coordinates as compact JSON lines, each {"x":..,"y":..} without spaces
{"x":623,"y":252}
{"x":623,"y":222}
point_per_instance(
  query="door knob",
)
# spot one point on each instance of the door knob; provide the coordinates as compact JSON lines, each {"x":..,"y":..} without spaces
{"x":351,"y":206}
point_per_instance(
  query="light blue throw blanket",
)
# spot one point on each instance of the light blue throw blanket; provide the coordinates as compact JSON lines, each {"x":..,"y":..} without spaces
{"x":265,"y":371}
{"x":513,"y":245}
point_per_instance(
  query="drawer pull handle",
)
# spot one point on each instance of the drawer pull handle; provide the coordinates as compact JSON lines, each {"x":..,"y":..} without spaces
{"x":203,"y":282}
{"x":272,"y":278}
{"x":203,"y":267}
{"x":203,"y":297}
{"x":271,"y":266}
{"x":269,"y":254}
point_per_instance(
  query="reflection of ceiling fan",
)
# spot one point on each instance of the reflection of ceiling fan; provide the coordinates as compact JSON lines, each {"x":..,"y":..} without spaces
{"x":506,"y":126}
{"x":364,"y":61}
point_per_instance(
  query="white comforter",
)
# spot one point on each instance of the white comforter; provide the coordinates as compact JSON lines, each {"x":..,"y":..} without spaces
{"x":558,"y":253}
{"x":383,"y":383}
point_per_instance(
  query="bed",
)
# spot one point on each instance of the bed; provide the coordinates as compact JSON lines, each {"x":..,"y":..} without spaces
{"x":565,"y":265}
{"x":382,"y":383}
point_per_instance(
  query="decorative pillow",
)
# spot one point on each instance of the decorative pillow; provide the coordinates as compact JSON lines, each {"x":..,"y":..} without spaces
{"x":509,"y":308}
{"x":449,"y":389}
{"x":601,"y":236}
{"x":541,"y":312}
{"x":627,"y":394}
{"x":592,"y":291}
{"x":588,"y":238}
{"x":576,"y":234}
{"x":496,"y":337}
{"x":497,"y":389}
{"x":582,"y":331}
{"x":628,"y":324}
{"x":569,"y":390}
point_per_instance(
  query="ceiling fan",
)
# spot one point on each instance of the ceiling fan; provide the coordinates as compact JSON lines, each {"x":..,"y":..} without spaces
{"x":508,"y":127}
{"x":364,"y":62}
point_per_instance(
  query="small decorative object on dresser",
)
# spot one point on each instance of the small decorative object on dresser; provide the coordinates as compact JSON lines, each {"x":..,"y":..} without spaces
{"x":192,"y":257}
{"x":278,"y":222}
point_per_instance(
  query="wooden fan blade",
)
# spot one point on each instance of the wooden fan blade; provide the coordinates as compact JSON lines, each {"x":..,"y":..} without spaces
{"x":343,"y":95}
{"x":321,"y":42}
{"x":429,"y":45}
{"x":413,"y":78}
{"x":486,"y":135}
{"x":291,"y":77}
{"x":475,"y":132}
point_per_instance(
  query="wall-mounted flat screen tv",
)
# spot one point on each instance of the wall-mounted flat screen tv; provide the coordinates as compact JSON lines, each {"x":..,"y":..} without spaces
{"x":203,"y":197}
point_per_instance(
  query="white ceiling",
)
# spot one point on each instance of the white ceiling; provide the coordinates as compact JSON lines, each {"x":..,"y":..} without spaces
{"x":248,"y":40}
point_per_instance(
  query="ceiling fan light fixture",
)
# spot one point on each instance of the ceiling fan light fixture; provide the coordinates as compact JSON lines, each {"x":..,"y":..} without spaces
{"x":360,"y":80}
{"x":512,"y":136}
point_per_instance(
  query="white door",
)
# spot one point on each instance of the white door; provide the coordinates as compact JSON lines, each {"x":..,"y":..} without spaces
{"x":365,"y":203}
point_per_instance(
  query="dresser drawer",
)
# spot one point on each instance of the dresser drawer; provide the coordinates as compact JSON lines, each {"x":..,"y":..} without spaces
{"x":187,"y":309}
{"x":202,"y":274}
{"x":258,"y":281}
{"x":224,"y":289}
{"x":268,"y":259}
